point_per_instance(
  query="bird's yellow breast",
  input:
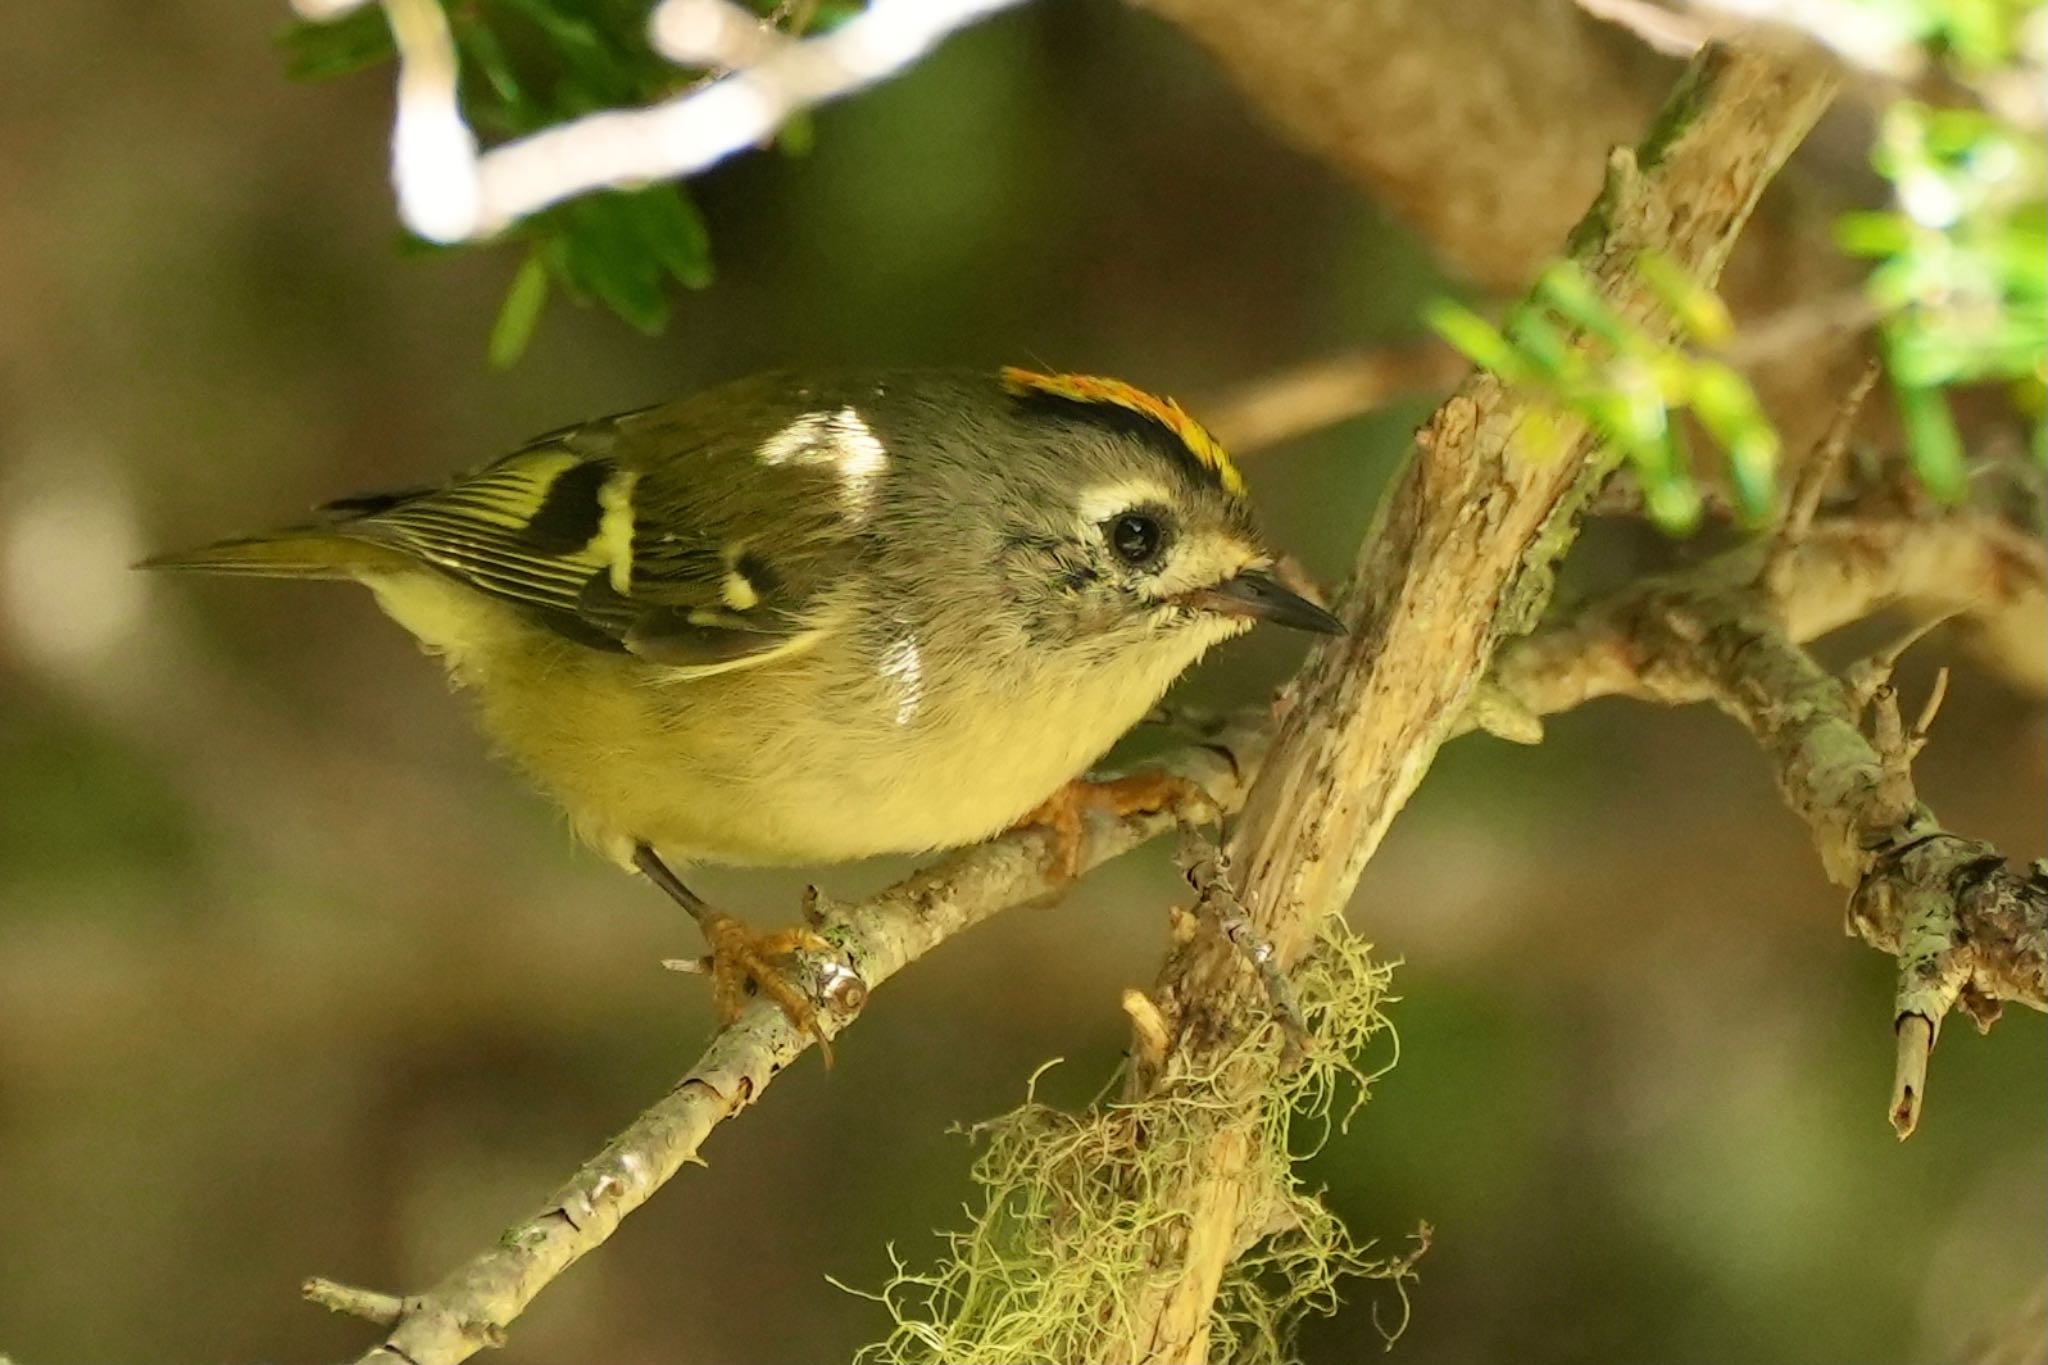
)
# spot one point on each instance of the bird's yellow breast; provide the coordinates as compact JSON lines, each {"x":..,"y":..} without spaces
{"x":833,"y":754}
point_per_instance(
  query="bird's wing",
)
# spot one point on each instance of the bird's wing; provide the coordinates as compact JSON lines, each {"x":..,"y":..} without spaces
{"x":643,"y":532}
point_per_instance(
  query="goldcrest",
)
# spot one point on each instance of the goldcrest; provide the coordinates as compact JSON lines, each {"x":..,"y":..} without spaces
{"x":805,"y":620}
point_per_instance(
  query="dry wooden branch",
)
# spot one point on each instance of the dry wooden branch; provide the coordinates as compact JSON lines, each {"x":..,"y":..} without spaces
{"x":1460,"y":560}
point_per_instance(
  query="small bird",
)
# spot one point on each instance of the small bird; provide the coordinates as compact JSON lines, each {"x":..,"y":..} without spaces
{"x":799,"y":620}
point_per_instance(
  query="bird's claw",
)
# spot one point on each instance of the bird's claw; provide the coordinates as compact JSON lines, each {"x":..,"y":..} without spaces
{"x":743,"y":962}
{"x":1065,"y":813}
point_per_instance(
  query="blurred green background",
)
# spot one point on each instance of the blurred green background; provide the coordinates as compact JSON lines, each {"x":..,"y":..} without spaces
{"x":294,"y":980}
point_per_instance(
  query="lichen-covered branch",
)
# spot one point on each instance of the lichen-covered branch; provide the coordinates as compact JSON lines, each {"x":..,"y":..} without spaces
{"x":1841,"y":571}
{"x":1460,"y":560}
{"x":1966,"y":929}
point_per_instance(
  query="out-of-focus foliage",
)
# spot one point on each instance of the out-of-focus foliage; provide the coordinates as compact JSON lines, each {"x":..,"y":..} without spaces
{"x":1629,"y":386}
{"x":527,"y":65}
{"x":1962,"y":273}
{"x":1960,"y":287}
{"x":1977,"y":39}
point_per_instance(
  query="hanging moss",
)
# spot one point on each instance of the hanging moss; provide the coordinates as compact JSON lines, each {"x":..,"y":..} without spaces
{"x":1080,"y":1214}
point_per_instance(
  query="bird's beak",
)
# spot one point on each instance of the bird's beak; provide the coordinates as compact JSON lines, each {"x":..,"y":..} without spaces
{"x":1256,"y":594}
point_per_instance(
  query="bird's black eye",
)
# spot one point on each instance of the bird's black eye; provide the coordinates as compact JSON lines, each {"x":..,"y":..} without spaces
{"x":1137,"y":538}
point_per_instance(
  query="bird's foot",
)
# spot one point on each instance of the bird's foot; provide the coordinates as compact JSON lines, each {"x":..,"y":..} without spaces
{"x":1065,"y":812}
{"x":743,"y":962}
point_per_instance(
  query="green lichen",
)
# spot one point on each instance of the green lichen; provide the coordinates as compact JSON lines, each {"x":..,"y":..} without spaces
{"x":1080,"y":1214}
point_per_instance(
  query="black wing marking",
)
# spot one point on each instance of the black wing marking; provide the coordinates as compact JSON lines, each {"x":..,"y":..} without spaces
{"x":556,"y":530}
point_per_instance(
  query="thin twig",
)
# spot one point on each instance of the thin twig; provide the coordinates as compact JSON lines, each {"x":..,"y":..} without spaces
{"x":1330,"y":389}
{"x":1203,"y":863}
{"x":369,"y":1304}
{"x":1810,"y":482}
{"x":1844,"y":569}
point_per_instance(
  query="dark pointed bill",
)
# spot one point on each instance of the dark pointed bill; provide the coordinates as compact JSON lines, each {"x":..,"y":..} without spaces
{"x":1258,"y":595}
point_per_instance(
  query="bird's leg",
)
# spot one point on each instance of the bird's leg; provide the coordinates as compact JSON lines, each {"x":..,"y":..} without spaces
{"x":742,"y":958}
{"x":1065,"y":812}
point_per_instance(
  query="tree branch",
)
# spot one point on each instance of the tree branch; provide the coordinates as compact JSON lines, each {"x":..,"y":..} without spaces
{"x":1839,"y":571}
{"x":1460,"y":560}
{"x":1294,"y":402}
{"x":875,"y":938}
{"x":1966,"y":930}
{"x":1842,"y":571}
{"x":1470,"y":522}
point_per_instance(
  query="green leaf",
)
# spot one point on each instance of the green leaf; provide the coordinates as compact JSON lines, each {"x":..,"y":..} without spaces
{"x":671,"y":228}
{"x":483,"y":54}
{"x":1570,"y":290}
{"x":1727,"y":407}
{"x":1699,"y":310}
{"x":601,"y":69}
{"x":519,"y":315}
{"x":1542,"y":348}
{"x":527,"y":65}
{"x":1753,"y":470}
{"x":601,"y":257}
{"x":336,"y":47}
{"x":797,"y":135}
{"x":1673,"y":498}
{"x":1871,"y":233}
{"x":1474,"y":338}
{"x":1931,"y":440}
{"x":1674,"y":504}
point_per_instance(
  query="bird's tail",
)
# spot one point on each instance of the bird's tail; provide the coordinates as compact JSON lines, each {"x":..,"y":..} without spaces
{"x":296,"y":552}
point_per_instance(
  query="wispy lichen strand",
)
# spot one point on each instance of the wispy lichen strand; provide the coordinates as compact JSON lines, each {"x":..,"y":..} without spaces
{"x":1070,"y":1202}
